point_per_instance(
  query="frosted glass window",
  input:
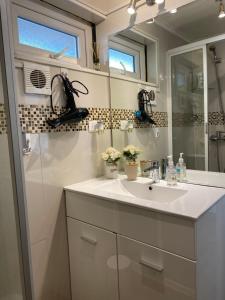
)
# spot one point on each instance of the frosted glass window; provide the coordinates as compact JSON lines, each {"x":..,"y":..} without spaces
{"x":118,"y":58}
{"x":42,"y":37}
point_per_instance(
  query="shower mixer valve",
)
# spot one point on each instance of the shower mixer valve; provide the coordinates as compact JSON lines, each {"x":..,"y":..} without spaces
{"x":219,"y":136}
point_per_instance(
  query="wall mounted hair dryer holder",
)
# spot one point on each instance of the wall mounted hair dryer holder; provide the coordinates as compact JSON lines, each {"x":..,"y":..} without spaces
{"x":144,"y":103}
{"x":72,"y":114}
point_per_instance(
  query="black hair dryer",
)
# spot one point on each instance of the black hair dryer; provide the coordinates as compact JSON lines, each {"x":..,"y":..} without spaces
{"x":144,"y":100}
{"x":72,"y":114}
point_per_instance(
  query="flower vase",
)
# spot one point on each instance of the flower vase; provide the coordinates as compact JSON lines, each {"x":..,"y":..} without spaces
{"x":111,"y":170}
{"x":131,"y":169}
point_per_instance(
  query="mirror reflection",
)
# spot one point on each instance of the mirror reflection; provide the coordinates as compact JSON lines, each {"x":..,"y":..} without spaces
{"x":167,"y":79}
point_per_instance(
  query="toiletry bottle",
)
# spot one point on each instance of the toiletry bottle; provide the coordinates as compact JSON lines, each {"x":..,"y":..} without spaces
{"x":156,"y":172}
{"x":163,"y":168}
{"x":181,"y":169}
{"x":171,"y":172}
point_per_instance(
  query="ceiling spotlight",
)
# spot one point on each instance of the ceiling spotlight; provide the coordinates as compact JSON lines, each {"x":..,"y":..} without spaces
{"x":221,"y":10}
{"x":151,"y":21}
{"x":159,"y":1}
{"x":132,"y":7}
{"x":173,"y":11}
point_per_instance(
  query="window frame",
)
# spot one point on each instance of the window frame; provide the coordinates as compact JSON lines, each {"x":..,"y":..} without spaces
{"x":130,"y":47}
{"x":62,"y":24}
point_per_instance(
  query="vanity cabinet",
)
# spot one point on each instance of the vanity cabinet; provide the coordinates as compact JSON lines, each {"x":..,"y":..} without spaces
{"x":140,"y":254}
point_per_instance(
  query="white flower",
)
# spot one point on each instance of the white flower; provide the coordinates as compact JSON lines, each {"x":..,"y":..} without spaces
{"x":115,"y":155}
{"x":105,"y":156}
{"x":132,"y":149}
{"x":131,"y":152}
{"x":111,"y":155}
{"x":110,"y":150}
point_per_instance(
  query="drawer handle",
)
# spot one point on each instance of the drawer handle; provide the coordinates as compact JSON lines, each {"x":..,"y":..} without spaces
{"x":89,"y":240}
{"x":150,"y":265}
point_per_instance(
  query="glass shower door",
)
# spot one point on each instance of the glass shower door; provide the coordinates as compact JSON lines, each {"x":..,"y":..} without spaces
{"x":15,"y":279}
{"x":189,"y":116}
{"x":10,"y":264}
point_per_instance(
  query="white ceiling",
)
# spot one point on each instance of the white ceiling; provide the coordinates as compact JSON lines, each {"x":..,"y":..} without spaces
{"x":94,"y":11}
{"x":195,"y":21}
{"x":105,"y":6}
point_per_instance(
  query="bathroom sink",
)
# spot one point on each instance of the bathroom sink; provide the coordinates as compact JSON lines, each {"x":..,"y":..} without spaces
{"x":183,"y":199}
{"x":143,"y":190}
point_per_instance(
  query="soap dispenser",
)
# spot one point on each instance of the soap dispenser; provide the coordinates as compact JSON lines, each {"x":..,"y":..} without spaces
{"x":181,"y":169}
{"x":171,"y":172}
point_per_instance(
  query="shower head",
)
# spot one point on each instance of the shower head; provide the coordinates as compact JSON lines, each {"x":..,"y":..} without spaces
{"x":216,"y":60}
{"x":212,"y":48}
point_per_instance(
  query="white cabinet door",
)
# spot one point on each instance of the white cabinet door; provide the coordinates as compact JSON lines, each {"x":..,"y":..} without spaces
{"x":93,"y":262}
{"x":148,"y":273}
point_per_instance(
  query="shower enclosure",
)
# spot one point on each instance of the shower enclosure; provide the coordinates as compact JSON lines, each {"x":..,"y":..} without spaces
{"x":196,"y":104}
{"x":15,"y":280}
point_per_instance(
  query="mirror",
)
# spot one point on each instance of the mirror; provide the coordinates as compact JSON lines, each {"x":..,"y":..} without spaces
{"x":179,"y":59}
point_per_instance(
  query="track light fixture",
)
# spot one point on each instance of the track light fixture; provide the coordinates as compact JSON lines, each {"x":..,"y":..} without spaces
{"x":132,"y":7}
{"x":152,"y":2}
{"x":173,"y":11}
{"x":221,"y":10}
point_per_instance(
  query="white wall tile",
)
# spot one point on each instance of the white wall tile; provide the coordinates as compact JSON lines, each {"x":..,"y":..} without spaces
{"x":98,"y":87}
{"x":10,"y":280}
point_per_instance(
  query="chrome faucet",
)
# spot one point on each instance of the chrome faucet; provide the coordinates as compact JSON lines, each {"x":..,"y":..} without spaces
{"x":154,"y":171}
{"x":154,"y":166}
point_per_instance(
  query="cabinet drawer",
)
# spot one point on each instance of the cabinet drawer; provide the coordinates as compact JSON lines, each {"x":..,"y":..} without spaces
{"x":95,"y":211}
{"x":170,"y":233}
{"x":148,"y":273}
{"x":93,"y":262}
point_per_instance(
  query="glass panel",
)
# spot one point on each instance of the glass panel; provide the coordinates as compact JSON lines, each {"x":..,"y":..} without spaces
{"x":216,"y":105}
{"x":10,"y":267}
{"x":118,"y":59}
{"x":188,"y":108}
{"x":42,"y":37}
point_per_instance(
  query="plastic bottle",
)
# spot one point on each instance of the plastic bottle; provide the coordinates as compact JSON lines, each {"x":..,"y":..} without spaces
{"x":181,"y":169}
{"x":171,"y":172}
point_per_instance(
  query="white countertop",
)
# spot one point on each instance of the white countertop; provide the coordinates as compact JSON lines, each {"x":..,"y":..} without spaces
{"x":193,"y":201}
{"x":206,"y":178}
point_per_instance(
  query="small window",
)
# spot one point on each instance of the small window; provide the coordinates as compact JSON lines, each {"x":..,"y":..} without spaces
{"x":122,"y":61}
{"x":127,"y":57}
{"x":41,"y":32}
{"x":42,"y":37}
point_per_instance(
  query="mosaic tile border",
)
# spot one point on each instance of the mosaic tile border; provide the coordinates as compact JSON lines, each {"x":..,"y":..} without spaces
{"x":189,"y":120}
{"x":33,"y":119}
{"x":216,"y":118}
{"x":3,"y":124}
